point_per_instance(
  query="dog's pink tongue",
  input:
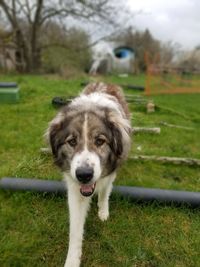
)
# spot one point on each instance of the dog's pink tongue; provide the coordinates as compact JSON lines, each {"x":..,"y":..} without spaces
{"x":87,"y":190}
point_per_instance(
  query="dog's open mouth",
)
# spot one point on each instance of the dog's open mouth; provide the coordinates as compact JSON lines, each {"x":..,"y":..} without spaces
{"x":87,"y":189}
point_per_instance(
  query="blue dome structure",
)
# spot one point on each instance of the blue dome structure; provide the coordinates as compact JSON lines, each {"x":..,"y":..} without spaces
{"x":112,"y":58}
{"x":124,"y":52}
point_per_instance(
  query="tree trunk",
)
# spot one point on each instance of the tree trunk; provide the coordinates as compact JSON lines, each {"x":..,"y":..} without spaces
{"x":22,"y":53}
{"x":35,"y":57}
{"x":34,"y":45}
{"x":28,"y":55}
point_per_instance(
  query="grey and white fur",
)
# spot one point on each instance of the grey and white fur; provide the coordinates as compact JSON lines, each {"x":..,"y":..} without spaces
{"x":90,"y":138}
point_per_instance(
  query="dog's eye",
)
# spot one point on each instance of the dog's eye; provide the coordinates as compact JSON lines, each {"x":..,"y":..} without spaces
{"x":99,"y":141}
{"x":72,"y":142}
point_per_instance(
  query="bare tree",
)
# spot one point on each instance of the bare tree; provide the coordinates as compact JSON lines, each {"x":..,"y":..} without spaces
{"x":27,"y":17}
{"x":169,"y":52}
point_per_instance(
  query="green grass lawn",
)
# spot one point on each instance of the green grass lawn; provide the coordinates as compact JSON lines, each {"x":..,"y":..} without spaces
{"x":34,"y":227}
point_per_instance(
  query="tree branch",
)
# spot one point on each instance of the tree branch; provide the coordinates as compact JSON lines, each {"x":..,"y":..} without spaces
{"x":38,"y":12}
{"x":25,"y":8}
{"x":82,"y":9}
{"x":7,"y":11}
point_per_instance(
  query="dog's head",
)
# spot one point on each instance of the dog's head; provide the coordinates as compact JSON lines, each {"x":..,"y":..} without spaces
{"x":88,"y":144}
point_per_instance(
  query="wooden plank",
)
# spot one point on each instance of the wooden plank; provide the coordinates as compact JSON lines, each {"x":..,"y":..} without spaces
{"x":173,"y":160}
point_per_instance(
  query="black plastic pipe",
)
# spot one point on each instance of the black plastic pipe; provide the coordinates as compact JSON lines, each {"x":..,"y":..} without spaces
{"x":8,"y":85}
{"x":139,"y":194}
{"x":37,"y":185}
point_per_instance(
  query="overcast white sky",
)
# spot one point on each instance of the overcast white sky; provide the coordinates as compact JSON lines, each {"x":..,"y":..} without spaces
{"x":169,"y":20}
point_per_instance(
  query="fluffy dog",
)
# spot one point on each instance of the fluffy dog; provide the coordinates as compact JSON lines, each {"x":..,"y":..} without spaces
{"x":89,"y":137}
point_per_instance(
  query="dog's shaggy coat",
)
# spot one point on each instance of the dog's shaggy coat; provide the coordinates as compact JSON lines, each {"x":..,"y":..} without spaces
{"x":89,"y":137}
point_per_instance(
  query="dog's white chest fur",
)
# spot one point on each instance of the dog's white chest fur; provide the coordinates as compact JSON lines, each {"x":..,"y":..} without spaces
{"x":89,"y":139}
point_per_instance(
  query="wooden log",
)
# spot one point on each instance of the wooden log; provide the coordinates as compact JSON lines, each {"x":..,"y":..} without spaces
{"x":154,"y":130}
{"x":173,"y":160}
{"x":175,"y":126}
{"x":173,"y":111}
{"x":129,"y":86}
{"x":135,"y":96}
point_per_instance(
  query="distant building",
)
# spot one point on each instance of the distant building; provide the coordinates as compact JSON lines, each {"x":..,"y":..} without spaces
{"x":7,"y":58}
{"x":110,"y":57}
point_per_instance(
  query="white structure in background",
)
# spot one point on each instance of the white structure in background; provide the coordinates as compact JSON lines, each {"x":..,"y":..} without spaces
{"x":7,"y":58}
{"x":109,"y":57}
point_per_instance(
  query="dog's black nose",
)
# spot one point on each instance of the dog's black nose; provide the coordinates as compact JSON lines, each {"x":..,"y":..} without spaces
{"x":84,"y":174}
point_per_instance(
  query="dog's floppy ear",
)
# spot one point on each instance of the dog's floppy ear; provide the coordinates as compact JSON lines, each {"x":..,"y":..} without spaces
{"x":116,"y":140}
{"x":120,"y":129}
{"x":53,"y":140}
{"x":52,"y":133}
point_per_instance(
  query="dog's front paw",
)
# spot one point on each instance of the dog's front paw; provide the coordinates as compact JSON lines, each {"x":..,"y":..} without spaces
{"x":103,"y":214}
{"x":72,"y":262}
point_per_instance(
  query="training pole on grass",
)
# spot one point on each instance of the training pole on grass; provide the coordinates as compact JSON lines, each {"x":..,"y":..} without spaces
{"x":139,"y":194}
